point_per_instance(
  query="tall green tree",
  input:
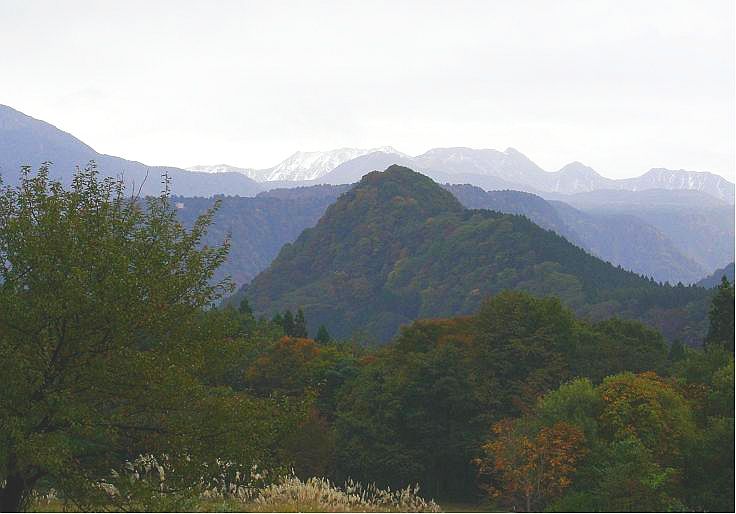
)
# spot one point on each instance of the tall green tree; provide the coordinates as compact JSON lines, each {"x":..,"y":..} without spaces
{"x":300,"y":325}
{"x":104,"y":340}
{"x":721,"y":329}
{"x":323,"y":336}
{"x":288,"y":323}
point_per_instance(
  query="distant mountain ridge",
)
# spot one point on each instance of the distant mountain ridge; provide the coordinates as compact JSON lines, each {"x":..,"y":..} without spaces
{"x":487,"y":168}
{"x":300,"y":166}
{"x":714,"y":279}
{"x":27,"y":141}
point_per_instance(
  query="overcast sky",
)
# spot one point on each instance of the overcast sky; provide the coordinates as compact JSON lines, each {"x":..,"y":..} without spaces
{"x":621,"y":86}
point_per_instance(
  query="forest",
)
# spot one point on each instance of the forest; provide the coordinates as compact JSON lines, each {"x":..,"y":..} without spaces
{"x":129,"y":385}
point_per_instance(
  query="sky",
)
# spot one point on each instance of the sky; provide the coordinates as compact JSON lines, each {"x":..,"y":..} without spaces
{"x":622,"y":86}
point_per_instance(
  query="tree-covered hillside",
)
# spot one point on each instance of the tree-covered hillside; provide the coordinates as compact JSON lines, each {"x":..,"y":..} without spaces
{"x":620,"y":238}
{"x":398,"y":247}
{"x":257,"y":227}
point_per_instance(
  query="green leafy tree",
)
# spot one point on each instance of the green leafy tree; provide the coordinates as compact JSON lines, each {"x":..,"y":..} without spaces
{"x":721,"y":315}
{"x":104,"y":341}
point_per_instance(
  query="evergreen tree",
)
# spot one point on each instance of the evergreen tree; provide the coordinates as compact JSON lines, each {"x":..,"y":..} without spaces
{"x":300,"y":325}
{"x":288,"y":323}
{"x":278,"y":319}
{"x":245,"y":308}
{"x":677,"y":351}
{"x":721,"y":330}
{"x":323,"y":336}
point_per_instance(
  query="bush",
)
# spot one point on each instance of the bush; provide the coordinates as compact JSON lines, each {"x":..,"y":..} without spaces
{"x":320,"y":495}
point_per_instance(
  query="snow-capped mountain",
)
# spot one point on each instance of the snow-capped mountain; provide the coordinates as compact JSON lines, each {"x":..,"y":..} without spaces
{"x":576,"y":177}
{"x":510,"y":165}
{"x":486,"y":168}
{"x":312,"y":165}
{"x":300,"y":165}
{"x":661,"y":178}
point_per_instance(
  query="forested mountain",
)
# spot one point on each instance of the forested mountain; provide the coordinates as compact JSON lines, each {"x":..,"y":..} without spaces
{"x":530,"y":205}
{"x":619,"y":198}
{"x":704,"y":234}
{"x":398,"y":247}
{"x":28,"y":141}
{"x":256,"y":227}
{"x":626,"y":240}
{"x":670,"y":236}
{"x":621,"y":239}
{"x":299,"y":193}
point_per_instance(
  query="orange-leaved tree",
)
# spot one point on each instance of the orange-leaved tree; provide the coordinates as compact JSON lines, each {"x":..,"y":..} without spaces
{"x":524,"y":467}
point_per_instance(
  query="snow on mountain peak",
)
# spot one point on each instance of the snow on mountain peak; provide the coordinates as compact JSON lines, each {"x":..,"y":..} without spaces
{"x":312,"y":165}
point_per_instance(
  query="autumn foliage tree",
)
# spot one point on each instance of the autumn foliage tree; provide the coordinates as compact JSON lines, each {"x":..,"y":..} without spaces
{"x":526,"y":468}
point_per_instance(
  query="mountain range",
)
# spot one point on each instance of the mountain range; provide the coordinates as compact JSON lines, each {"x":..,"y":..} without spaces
{"x":28,"y":141}
{"x":668,"y":234}
{"x":258,"y":227}
{"x":397,"y":247}
{"x":489,"y":169}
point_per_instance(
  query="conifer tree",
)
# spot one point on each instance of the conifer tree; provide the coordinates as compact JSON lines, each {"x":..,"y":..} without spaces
{"x":323,"y":336}
{"x":245,"y":308}
{"x":300,"y":325}
{"x":288,"y":323}
{"x":721,"y":330}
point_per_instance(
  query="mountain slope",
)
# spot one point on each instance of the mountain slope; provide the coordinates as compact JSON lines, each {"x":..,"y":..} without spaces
{"x":398,"y":247}
{"x":630,"y":242}
{"x":313,"y":165}
{"x":251,"y":173}
{"x":703,"y":232}
{"x":510,"y":169}
{"x":621,"y":239}
{"x":714,"y":279}
{"x":257,"y":227}
{"x":534,"y":207}
{"x":28,"y":141}
{"x":486,"y":168}
{"x":661,"y":178}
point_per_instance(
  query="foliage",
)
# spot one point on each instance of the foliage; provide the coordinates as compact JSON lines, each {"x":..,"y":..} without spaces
{"x":419,"y":409}
{"x":531,"y":468}
{"x":647,"y":445}
{"x":104,"y":344}
{"x":649,"y":409}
